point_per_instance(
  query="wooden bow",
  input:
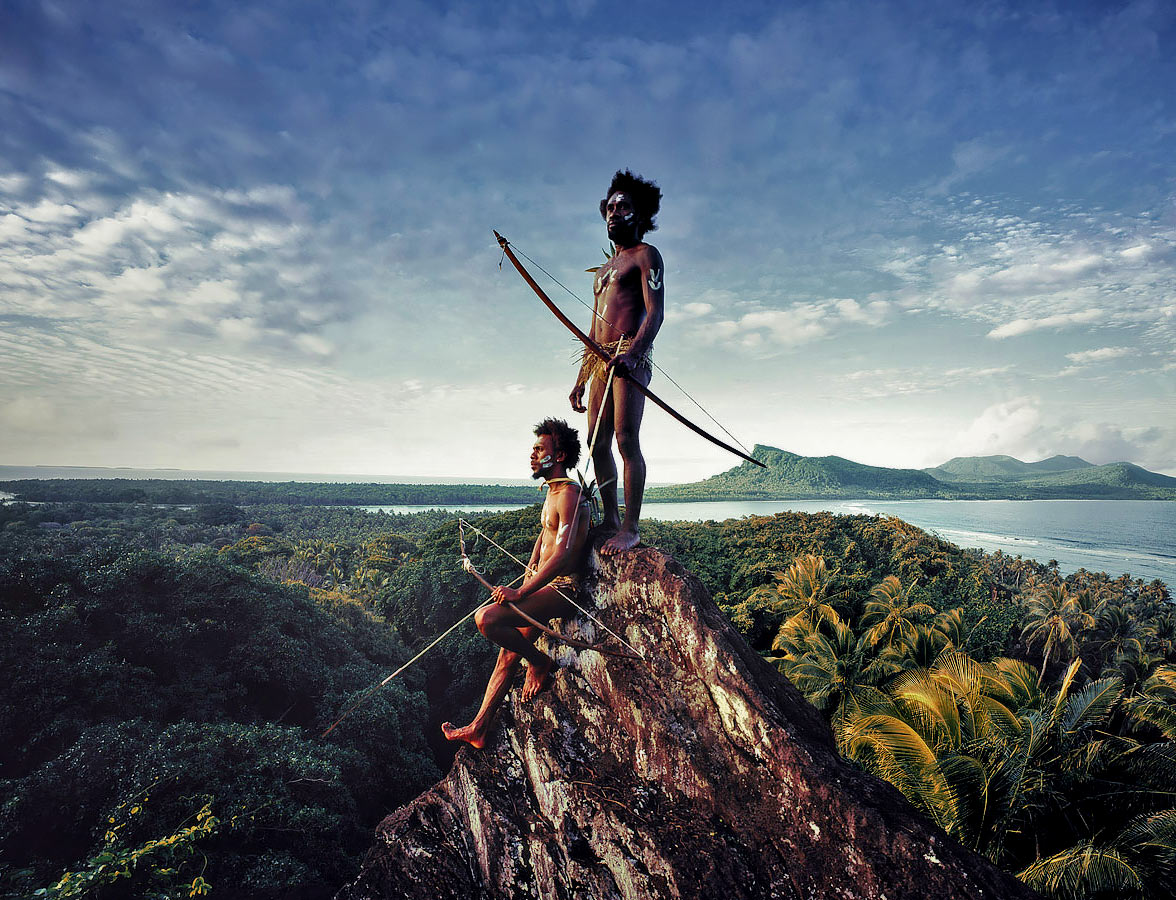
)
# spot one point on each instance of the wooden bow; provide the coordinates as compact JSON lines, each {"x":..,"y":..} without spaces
{"x":599,"y":351}
{"x":469,"y":566}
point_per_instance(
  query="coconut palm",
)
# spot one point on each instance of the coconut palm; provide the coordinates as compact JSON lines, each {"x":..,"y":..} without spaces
{"x":1134,"y":862}
{"x":891,"y":612}
{"x":945,"y":743}
{"x":803,"y":594}
{"x":1118,"y":638}
{"x":1160,"y":636}
{"x":1054,"y":619}
{"x":837,"y":671}
{"x":922,"y":648}
{"x":951,"y":625}
{"x":1155,"y":702}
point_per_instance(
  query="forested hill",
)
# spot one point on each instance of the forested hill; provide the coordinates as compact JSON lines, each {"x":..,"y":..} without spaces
{"x":1003,"y":468}
{"x":790,"y":476}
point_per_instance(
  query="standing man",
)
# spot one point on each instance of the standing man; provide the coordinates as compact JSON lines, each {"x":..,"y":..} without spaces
{"x":554,"y":566}
{"x":629,"y":305}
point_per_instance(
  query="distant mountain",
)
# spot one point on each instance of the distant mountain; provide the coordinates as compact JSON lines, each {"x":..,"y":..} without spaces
{"x":793,"y":477}
{"x":975,"y":469}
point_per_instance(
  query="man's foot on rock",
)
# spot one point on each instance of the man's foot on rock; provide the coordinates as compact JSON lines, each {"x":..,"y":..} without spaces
{"x":619,"y":542}
{"x":538,"y":677}
{"x":473,"y":737}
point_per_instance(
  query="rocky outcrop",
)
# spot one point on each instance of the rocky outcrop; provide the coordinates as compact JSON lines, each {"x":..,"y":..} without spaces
{"x":700,"y":774}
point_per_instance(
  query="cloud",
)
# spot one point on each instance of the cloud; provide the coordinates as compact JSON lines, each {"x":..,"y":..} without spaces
{"x":1020,"y":270}
{"x":1020,"y":428}
{"x":874,"y":384}
{"x":1060,"y":320}
{"x":1009,"y":427}
{"x":770,"y":330}
{"x":1081,"y":357}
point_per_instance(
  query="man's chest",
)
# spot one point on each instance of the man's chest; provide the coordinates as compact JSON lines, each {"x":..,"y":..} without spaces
{"x":617,"y":275}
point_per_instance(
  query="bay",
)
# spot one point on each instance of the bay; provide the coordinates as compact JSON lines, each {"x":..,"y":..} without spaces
{"x":1137,"y":537}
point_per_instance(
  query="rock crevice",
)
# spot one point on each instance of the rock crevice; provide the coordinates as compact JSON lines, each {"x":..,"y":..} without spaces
{"x":701,"y":773}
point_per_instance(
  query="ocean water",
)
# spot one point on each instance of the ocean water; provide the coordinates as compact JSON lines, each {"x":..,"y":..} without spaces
{"x":1114,"y":536}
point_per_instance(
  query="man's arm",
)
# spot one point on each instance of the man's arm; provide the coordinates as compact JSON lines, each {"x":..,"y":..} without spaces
{"x":576,"y":397}
{"x":653,"y":295}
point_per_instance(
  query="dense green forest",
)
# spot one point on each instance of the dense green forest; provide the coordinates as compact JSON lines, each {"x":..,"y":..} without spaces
{"x":252,"y":493}
{"x":171,"y":672}
{"x":787,"y":476}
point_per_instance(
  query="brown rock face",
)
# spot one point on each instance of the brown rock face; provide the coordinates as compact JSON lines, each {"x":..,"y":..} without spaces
{"x":701,"y":774}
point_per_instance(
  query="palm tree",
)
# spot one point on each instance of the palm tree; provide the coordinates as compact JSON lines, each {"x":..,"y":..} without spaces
{"x":1118,"y":639}
{"x":942,"y":741}
{"x":804,"y":593}
{"x":1160,"y":636}
{"x":951,"y":625}
{"x":1054,"y":619}
{"x":891,"y":613}
{"x":837,"y":671}
{"x":922,"y":648}
{"x":1155,"y":702}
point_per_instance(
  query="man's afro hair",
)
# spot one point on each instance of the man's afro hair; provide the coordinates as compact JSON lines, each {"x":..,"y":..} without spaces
{"x":646,"y":197}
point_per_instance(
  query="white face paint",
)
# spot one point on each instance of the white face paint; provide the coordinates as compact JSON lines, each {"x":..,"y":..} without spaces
{"x":618,"y":198}
{"x":545,"y":462}
{"x":655,"y":279}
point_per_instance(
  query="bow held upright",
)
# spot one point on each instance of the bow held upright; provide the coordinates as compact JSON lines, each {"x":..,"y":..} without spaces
{"x":600,"y":352}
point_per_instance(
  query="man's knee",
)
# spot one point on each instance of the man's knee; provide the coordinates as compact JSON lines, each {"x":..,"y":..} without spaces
{"x":486,"y":617}
{"x":628,"y":444}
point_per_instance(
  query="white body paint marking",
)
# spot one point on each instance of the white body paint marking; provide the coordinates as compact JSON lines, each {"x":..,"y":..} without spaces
{"x":559,"y":535}
{"x":620,"y":197}
{"x":655,"y":279}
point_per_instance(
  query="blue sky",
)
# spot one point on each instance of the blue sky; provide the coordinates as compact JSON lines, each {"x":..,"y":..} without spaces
{"x":258,"y":236}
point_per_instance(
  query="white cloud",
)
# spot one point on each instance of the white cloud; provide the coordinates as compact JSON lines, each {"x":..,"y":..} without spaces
{"x":1081,"y":357}
{"x":1061,"y":320}
{"x":1008,"y":427}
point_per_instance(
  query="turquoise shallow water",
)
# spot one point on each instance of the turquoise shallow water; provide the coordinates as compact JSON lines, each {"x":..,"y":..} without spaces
{"x":1113,"y":536}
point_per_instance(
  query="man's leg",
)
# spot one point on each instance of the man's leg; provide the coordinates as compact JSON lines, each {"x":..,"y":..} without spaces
{"x":476,"y":732}
{"x":500,"y":624}
{"x":630,"y":406}
{"x":600,"y":410}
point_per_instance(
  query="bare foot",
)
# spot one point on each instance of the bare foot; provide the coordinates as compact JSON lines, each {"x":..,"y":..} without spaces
{"x":469,"y":734}
{"x":619,"y":542}
{"x":538,"y":677}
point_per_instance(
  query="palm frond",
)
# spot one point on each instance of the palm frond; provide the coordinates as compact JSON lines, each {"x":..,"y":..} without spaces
{"x":1084,"y":870}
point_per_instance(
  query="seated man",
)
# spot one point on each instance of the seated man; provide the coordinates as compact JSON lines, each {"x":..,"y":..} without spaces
{"x":553,"y":568}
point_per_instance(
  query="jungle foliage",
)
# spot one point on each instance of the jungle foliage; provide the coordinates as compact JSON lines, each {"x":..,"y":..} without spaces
{"x":171,"y":670}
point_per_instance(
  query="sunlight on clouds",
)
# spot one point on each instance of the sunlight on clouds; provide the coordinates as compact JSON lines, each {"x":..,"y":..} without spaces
{"x":168,"y":261}
{"x":771,"y":330}
{"x":1102,"y":353}
{"x":1041,"y":270}
{"x":1010,"y":427}
{"x":1061,"y":320}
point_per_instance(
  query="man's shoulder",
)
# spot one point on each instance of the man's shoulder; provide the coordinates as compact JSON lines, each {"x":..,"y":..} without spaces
{"x":644,"y":254}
